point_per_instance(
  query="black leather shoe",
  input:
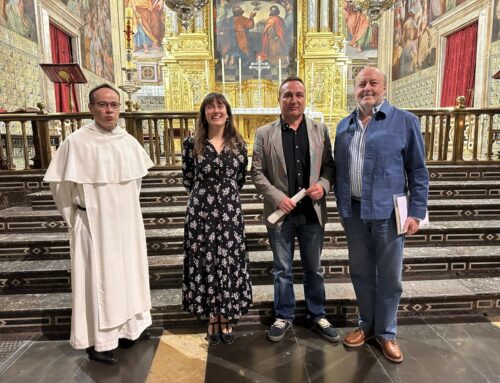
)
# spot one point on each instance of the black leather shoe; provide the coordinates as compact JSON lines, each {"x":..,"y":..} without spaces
{"x":106,"y":357}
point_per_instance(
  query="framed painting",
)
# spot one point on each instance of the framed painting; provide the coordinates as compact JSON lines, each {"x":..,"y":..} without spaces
{"x":147,"y":72}
{"x":246,"y":31}
{"x":495,"y":32}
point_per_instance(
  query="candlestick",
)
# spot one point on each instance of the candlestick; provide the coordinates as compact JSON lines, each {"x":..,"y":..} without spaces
{"x":279,"y":71}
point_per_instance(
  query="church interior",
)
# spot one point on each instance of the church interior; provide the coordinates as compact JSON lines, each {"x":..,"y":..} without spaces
{"x":441,"y":59}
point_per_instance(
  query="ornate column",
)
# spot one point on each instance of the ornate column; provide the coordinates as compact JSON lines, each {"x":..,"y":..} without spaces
{"x":312,"y":18}
{"x":324,"y":24}
{"x":325,"y":63}
{"x":187,"y":64}
{"x":335,"y":16}
{"x":198,"y":22}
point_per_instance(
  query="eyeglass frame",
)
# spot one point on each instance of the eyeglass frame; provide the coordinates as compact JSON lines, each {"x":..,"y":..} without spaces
{"x":105,"y":105}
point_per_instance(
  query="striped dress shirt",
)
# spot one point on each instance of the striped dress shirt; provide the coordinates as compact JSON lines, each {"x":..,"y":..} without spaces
{"x":357,"y":154}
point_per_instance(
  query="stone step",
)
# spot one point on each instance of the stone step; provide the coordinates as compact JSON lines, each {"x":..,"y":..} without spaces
{"x":25,"y":219}
{"x":35,"y":246}
{"x":46,"y":276}
{"x":177,"y":195}
{"x":51,"y":313}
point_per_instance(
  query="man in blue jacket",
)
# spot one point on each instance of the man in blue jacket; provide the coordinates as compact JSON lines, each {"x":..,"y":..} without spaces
{"x":379,"y":152}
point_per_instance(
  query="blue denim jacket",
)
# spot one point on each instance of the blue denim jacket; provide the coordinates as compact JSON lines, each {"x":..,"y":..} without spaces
{"x":394,"y":163}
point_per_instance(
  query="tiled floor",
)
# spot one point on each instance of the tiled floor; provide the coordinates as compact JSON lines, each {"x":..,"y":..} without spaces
{"x":452,"y":352}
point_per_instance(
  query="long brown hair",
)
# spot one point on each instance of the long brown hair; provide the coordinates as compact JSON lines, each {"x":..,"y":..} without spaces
{"x":230,"y":135}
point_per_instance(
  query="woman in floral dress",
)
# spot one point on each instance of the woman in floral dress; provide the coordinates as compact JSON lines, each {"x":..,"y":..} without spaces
{"x":216,"y":282}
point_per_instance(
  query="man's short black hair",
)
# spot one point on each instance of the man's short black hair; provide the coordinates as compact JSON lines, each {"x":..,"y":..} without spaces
{"x":91,"y":94}
{"x":288,"y":79}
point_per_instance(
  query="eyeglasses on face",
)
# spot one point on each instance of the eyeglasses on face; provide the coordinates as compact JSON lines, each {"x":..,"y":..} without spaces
{"x":105,"y":105}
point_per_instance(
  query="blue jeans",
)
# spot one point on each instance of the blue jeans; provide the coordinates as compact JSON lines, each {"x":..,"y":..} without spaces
{"x":375,"y":262}
{"x":310,"y":239}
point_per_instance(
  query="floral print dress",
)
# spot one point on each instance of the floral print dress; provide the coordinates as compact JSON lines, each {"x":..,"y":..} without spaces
{"x":216,"y":279}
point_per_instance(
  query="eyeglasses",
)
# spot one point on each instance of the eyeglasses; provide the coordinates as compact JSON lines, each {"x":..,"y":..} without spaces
{"x":104,"y":105}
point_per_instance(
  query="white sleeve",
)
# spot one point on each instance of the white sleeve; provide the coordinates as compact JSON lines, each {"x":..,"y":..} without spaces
{"x":62,"y":192}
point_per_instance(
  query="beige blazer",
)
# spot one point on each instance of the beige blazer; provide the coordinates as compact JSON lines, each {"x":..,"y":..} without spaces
{"x":269,"y":170}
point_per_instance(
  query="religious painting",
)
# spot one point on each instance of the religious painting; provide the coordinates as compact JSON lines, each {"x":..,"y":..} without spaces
{"x":19,"y":16}
{"x":495,"y":33}
{"x":414,"y":40}
{"x":361,"y":35}
{"x":97,"y":49}
{"x":75,"y":6}
{"x":148,"y":27}
{"x":253,"y":37}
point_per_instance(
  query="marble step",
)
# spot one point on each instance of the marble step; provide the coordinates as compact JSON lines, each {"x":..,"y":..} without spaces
{"x":51,"y":313}
{"x":35,"y":246}
{"x":32,"y":179}
{"x":176,"y":195}
{"x":24,"y":219}
{"x":166,"y":270}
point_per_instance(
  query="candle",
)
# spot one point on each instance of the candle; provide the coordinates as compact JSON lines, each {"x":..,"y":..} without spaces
{"x":331,"y":101}
{"x":312,"y":75}
{"x":223,"y":76}
{"x":129,"y":13}
{"x":279,"y":71}
{"x":239,"y":71}
{"x":297,"y":68}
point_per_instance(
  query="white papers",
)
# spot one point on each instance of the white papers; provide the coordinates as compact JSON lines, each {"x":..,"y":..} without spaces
{"x":278,"y":213}
{"x":401,"y":212}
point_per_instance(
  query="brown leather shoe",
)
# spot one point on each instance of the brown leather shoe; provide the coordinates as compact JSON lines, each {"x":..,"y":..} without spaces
{"x":357,"y":338}
{"x":391,"y":350}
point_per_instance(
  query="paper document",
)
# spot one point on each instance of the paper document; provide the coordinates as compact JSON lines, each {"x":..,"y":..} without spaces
{"x":278,"y":213}
{"x":401,"y":211}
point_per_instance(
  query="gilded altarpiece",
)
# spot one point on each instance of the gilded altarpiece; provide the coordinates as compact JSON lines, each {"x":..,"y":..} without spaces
{"x":192,"y":67}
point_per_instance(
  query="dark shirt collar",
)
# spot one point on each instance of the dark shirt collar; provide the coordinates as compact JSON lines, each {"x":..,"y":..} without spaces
{"x":284,"y":125}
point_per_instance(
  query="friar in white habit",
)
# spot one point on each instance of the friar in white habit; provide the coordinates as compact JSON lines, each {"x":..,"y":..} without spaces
{"x":95,"y":179}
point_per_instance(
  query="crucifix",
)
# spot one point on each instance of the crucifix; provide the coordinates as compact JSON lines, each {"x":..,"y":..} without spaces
{"x":259,"y":66}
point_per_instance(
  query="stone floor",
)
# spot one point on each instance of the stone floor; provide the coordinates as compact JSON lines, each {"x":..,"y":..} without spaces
{"x":434,"y":352}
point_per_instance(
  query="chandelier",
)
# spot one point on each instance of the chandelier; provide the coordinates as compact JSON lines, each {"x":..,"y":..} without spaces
{"x":185,"y":9}
{"x":371,"y":8}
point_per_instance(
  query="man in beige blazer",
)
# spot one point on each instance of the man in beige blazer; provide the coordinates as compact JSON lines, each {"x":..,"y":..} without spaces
{"x":291,"y":154}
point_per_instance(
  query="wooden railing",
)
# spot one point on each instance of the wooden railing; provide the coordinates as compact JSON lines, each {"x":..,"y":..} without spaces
{"x":28,"y":140}
{"x":460,"y":134}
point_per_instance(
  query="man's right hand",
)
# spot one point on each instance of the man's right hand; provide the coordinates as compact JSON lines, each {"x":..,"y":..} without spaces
{"x":286,"y":205}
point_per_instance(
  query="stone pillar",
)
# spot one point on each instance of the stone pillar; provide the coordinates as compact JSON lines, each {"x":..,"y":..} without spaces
{"x":312,"y":18}
{"x":336,"y":11}
{"x":198,"y":22}
{"x":175,"y":22}
{"x":324,"y":25}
